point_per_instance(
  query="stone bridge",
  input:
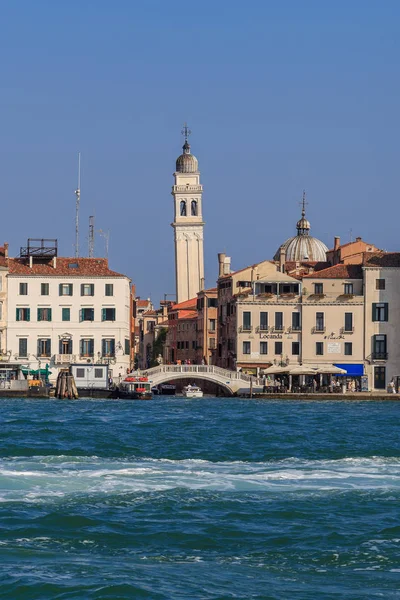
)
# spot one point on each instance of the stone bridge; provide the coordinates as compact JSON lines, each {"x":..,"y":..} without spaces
{"x":233,"y":382}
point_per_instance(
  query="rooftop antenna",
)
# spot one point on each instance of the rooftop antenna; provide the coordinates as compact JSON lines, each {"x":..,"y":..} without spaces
{"x":78,"y":199}
{"x":91,"y":236}
{"x":106,"y":236}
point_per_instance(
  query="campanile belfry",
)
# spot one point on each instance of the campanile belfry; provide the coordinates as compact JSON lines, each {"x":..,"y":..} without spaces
{"x":188,"y":224}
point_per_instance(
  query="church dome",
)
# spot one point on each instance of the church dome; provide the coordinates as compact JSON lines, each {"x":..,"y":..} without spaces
{"x":302,"y":246}
{"x":186,"y":162}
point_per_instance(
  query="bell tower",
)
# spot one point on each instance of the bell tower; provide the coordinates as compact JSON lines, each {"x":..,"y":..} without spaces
{"x":188,"y":224}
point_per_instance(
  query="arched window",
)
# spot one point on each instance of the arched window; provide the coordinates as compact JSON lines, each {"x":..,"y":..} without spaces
{"x":183,"y":208}
{"x":193,"y":208}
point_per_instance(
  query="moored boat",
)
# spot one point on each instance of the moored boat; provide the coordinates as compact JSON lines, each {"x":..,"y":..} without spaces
{"x":192,"y":391}
{"x":167,"y":389}
{"x":135,"y":388}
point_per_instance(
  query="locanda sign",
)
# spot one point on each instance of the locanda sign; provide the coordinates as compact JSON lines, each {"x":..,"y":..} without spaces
{"x":271,"y":336}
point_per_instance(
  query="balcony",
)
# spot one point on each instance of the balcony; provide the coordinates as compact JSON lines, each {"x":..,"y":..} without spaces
{"x":379,"y":356}
{"x":64,"y":359}
{"x":245,"y":329}
{"x":278,"y":329}
{"x":347,"y":330}
{"x":318,"y":329}
{"x":262,"y":329}
{"x":294,"y":329}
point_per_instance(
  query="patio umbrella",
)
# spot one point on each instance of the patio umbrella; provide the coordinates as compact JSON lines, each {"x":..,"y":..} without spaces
{"x":331,"y":370}
{"x":275,"y":370}
{"x":304,"y":370}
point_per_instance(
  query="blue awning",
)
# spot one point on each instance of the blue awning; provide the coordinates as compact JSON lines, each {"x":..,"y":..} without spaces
{"x":352,"y":370}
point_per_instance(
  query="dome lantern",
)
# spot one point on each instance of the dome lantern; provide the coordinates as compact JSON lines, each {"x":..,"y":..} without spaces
{"x":186,"y":162}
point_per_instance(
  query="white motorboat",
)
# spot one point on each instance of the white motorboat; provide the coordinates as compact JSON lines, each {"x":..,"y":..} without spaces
{"x":192,"y":391}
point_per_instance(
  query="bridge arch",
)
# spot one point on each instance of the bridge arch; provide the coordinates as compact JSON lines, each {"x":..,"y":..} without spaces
{"x":190,"y":377}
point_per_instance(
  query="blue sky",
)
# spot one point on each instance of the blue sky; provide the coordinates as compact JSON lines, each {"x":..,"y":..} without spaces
{"x":280,"y":97}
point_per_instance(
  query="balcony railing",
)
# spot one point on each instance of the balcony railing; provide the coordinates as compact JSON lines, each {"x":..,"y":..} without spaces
{"x":294,"y":329}
{"x":278,"y":328}
{"x":245,"y":328}
{"x":379,"y":356}
{"x":347,"y":330}
{"x":262,"y":329}
{"x":318,"y":329}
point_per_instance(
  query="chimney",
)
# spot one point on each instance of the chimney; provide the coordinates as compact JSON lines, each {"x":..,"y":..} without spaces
{"x":54,"y":262}
{"x":221,"y":260}
{"x":30,"y":261}
{"x":227,"y":265}
{"x":5,"y":249}
{"x":358,"y":239}
{"x":336,"y":244}
{"x":282,"y":256}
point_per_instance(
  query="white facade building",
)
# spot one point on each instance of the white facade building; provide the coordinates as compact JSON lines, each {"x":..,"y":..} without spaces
{"x":64,"y":311}
{"x":188,"y":225}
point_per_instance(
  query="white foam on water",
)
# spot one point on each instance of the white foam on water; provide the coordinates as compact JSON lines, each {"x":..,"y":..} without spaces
{"x":34,"y":479}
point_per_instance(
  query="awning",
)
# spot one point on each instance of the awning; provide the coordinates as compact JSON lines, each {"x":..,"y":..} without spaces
{"x":355,"y":370}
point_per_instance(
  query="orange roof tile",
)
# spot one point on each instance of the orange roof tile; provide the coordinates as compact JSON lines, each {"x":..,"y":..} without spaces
{"x":187,"y":304}
{"x":142,"y":303}
{"x":87,"y":267}
{"x":382,"y":259}
{"x":337,"y":272}
{"x":149,"y":313}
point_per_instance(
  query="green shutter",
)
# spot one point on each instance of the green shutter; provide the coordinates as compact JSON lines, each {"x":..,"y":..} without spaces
{"x":387,"y":311}
{"x":60,"y":289}
{"x":373,"y":311}
{"x":39,"y":314}
{"x":82,"y":289}
{"x":113,"y":314}
{"x":92,"y":289}
{"x":80,"y":315}
{"x":103,"y":314}
{"x":49,"y":313}
{"x":17,"y":314}
{"x":28,"y":314}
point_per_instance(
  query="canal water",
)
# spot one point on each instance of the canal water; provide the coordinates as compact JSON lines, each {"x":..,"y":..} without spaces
{"x":203,"y":499}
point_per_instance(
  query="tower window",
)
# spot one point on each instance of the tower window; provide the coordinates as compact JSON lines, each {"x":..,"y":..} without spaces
{"x":193,"y":208}
{"x":183,"y":208}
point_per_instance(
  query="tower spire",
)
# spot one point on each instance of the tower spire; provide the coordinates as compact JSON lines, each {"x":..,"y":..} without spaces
{"x":186,"y":132}
{"x":303,"y":226}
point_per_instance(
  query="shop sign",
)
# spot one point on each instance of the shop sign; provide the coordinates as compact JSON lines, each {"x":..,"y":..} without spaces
{"x":332,"y":336}
{"x":271,"y":336}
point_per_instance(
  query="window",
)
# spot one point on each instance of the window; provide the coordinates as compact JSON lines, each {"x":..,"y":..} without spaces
{"x":263,"y":347}
{"x":87,"y":289}
{"x":66,"y":314}
{"x":23,"y":347}
{"x":65,"y":346}
{"x":319,"y":348}
{"x":212,"y":302}
{"x":348,"y":348}
{"x":348,"y":289}
{"x":187,"y":345}
{"x":80,"y":373}
{"x":73,"y":265}
{"x":44,"y":314}
{"x":295,"y":348}
{"x":109,"y":291}
{"x":98,"y":373}
{"x":296,"y":324}
{"x":278,"y":321}
{"x":246,"y":348}
{"x":44,"y":347}
{"x":1,"y":311}
{"x":65,"y":289}
{"x":380,"y":311}
{"x":380,"y":284}
{"x":193,"y":208}
{"x":23,"y":314}
{"x":149,"y":325}
{"x":348,"y":321}
{"x":278,"y":347}
{"x":87,"y":314}
{"x":44,"y":289}
{"x":183,"y":208}
{"x":379,"y":347}
{"x":127,"y":348}
{"x":263,"y":321}
{"x":86,"y":347}
{"x":211,"y":343}
{"x":211,"y":324}
{"x":23,"y":289}
{"x":108,"y":347}
{"x":108,"y":314}
{"x":247,"y":321}
{"x":318,"y":288}
{"x":319,"y":321}
{"x":193,"y":345}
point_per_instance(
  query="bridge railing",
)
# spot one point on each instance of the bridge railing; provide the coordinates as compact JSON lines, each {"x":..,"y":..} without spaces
{"x":209,"y":369}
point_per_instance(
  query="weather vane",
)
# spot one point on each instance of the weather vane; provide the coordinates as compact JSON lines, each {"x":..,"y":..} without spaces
{"x":186,"y":131}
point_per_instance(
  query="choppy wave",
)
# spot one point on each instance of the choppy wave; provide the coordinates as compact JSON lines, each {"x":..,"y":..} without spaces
{"x":34,"y":478}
